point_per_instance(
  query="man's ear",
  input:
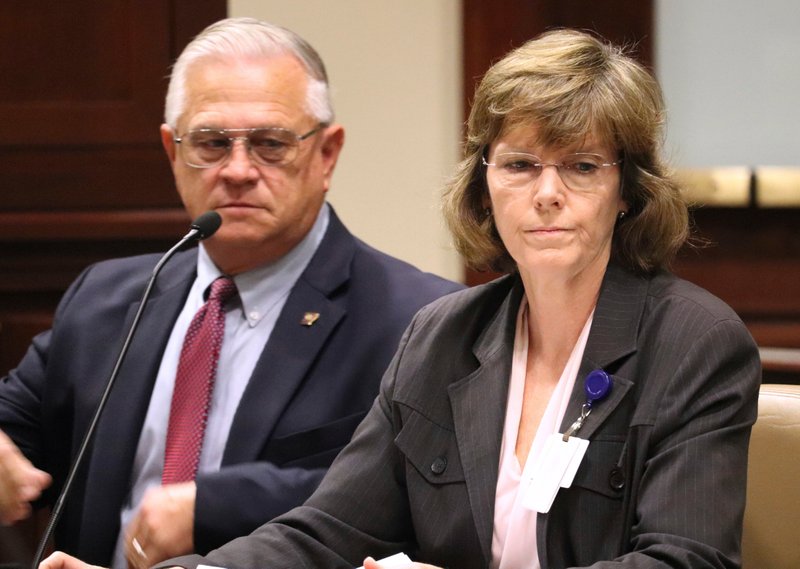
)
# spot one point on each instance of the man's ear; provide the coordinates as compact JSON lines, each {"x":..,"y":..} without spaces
{"x":168,"y":142}
{"x":332,"y":143}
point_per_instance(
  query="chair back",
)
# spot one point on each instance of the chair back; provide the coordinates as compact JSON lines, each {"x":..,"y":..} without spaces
{"x":771,"y":538}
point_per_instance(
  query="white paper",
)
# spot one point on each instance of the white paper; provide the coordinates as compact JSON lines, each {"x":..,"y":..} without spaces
{"x":396,"y":561}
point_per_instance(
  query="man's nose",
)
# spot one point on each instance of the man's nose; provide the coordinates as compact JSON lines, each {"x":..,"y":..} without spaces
{"x":239,"y":163}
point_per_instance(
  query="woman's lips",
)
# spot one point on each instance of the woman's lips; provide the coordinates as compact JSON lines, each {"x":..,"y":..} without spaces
{"x":547,"y":230}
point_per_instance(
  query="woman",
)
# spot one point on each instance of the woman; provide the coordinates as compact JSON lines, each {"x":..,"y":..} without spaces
{"x":588,"y":409}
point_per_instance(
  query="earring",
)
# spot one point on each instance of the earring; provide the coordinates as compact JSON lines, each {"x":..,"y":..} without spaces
{"x":621,"y":215}
{"x":487,"y":212}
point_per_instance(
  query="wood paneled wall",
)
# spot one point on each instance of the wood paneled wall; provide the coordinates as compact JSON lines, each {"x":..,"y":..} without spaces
{"x":82,"y":173}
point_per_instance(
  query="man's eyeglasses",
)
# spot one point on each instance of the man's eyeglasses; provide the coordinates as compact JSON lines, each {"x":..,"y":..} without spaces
{"x":209,"y":147}
{"x":518,"y":170}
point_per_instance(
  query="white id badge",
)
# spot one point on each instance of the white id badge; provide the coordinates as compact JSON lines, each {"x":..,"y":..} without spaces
{"x":577,"y":458}
{"x":553,"y":465}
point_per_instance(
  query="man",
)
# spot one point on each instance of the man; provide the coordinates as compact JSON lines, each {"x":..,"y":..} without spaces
{"x":306,"y":333}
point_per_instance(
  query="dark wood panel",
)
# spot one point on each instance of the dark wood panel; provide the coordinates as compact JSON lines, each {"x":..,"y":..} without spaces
{"x":622,"y":22}
{"x":781,"y":365}
{"x":748,"y":233}
{"x":780,"y":332}
{"x":83,"y":176}
{"x":756,"y":288}
{"x":751,"y":260}
{"x":84,"y":72}
{"x":87,"y":178}
{"x":79,"y":72}
{"x":33,"y":267}
{"x":136,"y":224}
{"x":82,"y":173}
{"x":189,"y":17}
{"x":491,"y":29}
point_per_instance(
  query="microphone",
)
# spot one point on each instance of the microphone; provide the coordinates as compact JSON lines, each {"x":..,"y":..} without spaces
{"x":201,"y":228}
{"x":204,"y":226}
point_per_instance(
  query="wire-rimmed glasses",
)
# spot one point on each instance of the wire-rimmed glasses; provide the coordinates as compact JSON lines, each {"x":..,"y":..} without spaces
{"x":580,"y":171}
{"x":271,"y":146}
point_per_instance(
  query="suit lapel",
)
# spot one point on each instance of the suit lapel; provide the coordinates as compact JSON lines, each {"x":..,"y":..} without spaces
{"x":292,"y":347}
{"x":117,"y":434}
{"x":281,"y":368}
{"x":479,"y":404}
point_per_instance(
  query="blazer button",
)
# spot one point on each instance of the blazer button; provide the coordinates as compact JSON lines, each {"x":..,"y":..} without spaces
{"x":439,"y":465}
{"x":616,"y":479}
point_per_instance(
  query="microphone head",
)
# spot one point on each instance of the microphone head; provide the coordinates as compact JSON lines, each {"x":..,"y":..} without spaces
{"x":207,"y":224}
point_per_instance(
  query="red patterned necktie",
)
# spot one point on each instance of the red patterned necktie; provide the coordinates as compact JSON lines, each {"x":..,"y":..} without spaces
{"x":194,"y":383}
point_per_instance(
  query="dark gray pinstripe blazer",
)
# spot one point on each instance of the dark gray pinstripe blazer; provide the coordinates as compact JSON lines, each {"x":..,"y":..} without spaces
{"x":662,"y":483}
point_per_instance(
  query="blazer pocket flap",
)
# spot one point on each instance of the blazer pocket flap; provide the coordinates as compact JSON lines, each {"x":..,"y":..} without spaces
{"x":319,"y":441}
{"x":600,"y":471}
{"x":431,"y":449}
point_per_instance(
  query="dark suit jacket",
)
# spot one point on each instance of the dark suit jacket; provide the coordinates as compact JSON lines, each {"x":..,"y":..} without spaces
{"x":311,"y":386}
{"x":662,"y":483}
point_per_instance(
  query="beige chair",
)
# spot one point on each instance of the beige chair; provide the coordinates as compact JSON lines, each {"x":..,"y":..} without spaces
{"x":772,"y":517}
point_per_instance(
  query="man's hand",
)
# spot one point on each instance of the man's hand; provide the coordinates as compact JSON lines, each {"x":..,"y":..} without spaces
{"x":163,"y":527}
{"x":20,"y":482}
{"x":59,"y":560}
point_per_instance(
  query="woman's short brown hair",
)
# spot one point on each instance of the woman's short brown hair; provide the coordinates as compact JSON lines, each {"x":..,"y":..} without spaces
{"x":571,"y":84}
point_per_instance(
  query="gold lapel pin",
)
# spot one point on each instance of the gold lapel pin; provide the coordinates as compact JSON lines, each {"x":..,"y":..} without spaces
{"x":309,"y":318}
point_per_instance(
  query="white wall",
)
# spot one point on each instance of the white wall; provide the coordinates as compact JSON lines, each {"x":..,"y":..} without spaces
{"x":730,"y":70}
{"x":394,"y":68}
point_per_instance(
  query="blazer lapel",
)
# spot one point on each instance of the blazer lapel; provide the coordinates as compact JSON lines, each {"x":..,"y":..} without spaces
{"x":613,"y":336}
{"x":479,"y":404}
{"x":292,"y":346}
{"x":118,"y":429}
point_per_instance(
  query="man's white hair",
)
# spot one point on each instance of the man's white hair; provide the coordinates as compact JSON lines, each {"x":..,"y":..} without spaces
{"x":248,"y":38}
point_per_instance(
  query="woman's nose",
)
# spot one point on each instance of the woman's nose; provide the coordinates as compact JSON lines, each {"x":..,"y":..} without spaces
{"x":548,"y":188}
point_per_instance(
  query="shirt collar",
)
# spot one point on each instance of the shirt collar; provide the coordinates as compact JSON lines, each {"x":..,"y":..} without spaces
{"x":260,"y":288}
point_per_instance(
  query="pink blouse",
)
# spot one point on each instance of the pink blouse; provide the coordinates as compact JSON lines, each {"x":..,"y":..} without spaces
{"x":514,"y":536}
